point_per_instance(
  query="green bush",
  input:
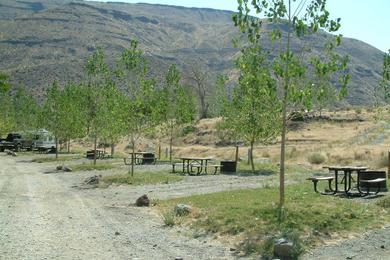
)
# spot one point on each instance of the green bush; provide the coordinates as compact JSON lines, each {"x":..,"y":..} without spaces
{"x":316,"y":158}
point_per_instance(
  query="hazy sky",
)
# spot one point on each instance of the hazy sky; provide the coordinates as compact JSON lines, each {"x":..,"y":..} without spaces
{"x":366,"y":20}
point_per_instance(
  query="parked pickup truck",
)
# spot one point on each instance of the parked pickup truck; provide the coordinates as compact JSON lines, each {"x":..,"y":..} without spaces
{"x":15,"y":142}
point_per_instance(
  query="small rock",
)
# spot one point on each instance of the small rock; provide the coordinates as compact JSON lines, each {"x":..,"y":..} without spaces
{"x":67,"y":169}
{"x":117,"y":233}
{"x":182,"y":210}
{"x":92,"y":180}
{"x":178,"y":258}
{"x":283,"y":248}
{"x":155,"y":245}
{"x":383,"y":246}
{"x":142,"y":201}
{"x":232,"y":249}
{"x":59,"y":167}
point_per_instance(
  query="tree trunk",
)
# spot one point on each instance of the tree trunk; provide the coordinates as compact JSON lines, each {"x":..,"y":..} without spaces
{"x":251,"y":157}
{"x":68,"y":145}
{"x":56,"y":148}
{"x":94,"y":148}
{"x":132,"y":158}
{"x":170,"y":145}
{"x":284,"y":118}
{"x":159,"y":150}
{"x":112,"y":150}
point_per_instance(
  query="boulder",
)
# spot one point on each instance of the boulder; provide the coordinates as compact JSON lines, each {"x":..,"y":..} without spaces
{"x":182,"y":210}
{"x":283,"y":248}
{"x":142,"y":201}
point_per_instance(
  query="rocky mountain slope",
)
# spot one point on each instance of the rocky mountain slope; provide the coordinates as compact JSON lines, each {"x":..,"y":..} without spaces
{"x":44,"y":40}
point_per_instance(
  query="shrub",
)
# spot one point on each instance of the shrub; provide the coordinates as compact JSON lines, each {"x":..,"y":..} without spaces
{"x":316,"y":158}
{"x":187,"y":130}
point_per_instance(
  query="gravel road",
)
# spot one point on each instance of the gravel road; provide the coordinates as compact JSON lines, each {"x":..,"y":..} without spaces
{"x":50,"y":216}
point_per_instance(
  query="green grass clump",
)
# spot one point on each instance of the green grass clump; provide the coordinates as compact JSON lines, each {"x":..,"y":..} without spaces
{"x":316,"y":158}
{"x":91,"y":167}
{"x":168,"y":217}
{"x":53,"y":159}
{"x":255,"y":217}
{"x":141,"y":178}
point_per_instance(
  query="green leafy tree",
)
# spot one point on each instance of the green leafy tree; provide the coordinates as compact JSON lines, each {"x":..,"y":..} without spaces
{"x":53,"y":111}
{"x":26,"y":110}
{"x":6,"y":115}
{"x":115,"y":115}
{"x":290,"y":18}
{"x":98,"y":74}
{"x":254,"y":111}
{"x":140,"y":112}
{"x":176,"y":106}
{"x":73,"y":117}
{"x":385,"y":82}
{"x":220,"y":96}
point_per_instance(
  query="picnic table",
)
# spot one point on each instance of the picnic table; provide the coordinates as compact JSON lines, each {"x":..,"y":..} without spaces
{"x":140,"y":158}
{"x":100,"y":154}
{"x":347,"y":179}
{"x":195,"y":162}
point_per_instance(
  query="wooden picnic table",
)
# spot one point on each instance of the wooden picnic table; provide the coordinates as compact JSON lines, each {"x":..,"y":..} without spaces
{"x":199,"y":162}
{"x":100,"y":154}
{"x":348,"y":179}
{"x":140,"y":158}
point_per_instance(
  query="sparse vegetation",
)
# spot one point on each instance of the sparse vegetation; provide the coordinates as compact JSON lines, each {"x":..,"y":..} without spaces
{"x":168,"y":217}
{"x":91,"y":167}
{"x":316,"y":158}
{"x":253,"y":217}
{"x":53,"y":159}
{"x":142,"y":178}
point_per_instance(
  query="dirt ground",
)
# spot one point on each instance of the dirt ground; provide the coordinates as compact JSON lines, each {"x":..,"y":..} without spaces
{"x":46,"y":215}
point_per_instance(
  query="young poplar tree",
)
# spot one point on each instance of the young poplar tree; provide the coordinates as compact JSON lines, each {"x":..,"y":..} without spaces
{"x":290,"y":19}
{"x":176,"y":105}
{"x":141,"y":94}
{"x":53,"y":111}
{"x":25,"y":110}
{"x":254,"y":111}
{"x":74,"y":117}
{"x":385,"y":82}
{"x":6,"y":114}
{"x":98,"y":74}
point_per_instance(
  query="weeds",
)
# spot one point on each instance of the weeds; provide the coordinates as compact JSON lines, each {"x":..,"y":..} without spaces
{"x":168,"y":217}
{"x":316,"y":158}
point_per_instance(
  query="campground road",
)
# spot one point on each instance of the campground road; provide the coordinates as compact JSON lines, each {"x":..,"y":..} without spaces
{"x":43,"y":217}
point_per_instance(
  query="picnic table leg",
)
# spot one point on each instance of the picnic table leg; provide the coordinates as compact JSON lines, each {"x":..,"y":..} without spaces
{"x":336,"y":175}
